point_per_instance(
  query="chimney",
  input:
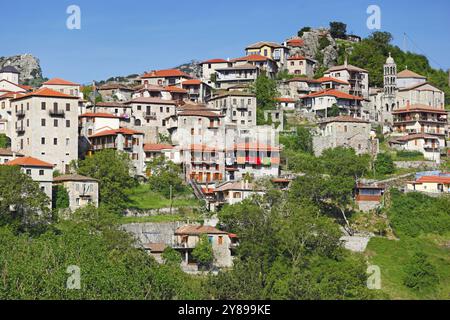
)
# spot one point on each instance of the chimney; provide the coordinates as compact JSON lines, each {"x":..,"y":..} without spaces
{"x":346,"y":61}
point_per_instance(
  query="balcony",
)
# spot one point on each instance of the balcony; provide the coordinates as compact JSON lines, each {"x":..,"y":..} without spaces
{"x":20,"y":113}
{"x":20,"y":130}
{"x":149,"y":115}
{"x":57,"y":113}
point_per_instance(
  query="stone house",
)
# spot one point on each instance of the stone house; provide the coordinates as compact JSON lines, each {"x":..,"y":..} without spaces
{"x":344,"y":131}
{"x":321,"y":102}
{"x":64,"y":86}
{"x":209,"y":68}
{"x":436,"y":184}
{"x":123,"y":139}
{"x":8,"y":155}
{"x":40,"y":171}
{"x":197,"y":90}
{"x":357,"y":77}
{"x":111,"y":92}
{"x":187,"y":237}
{"x":238,"y":107}
{"x":169,"y":77}
{"x":300,"y":65}
{"x":427,"y":144}
{"x":45,"y":126}
{"x":82,"y":190}
{"x":233,"y":192}
{"x":271,"y":50}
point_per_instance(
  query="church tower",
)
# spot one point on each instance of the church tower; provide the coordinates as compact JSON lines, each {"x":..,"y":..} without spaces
{"x":390,"y":77}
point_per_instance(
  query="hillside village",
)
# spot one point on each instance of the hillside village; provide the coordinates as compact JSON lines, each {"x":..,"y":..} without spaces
{"x":226,"y":143}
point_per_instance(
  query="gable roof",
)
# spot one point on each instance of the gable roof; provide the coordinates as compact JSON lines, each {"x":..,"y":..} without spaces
{"x":9,"y":153}
{"x":212,"y":61}
{"x":295,"y":42}
{"x":192,"y":82}
{"x":252,"y":57}
{"x":418,"y":108}
{"x":198,"y":230}
{"x":111,"y":105}
{"x":199,"y":113}
{"x":9,"y":69}
{"x":45,"y":92}
{"x":98,"y":115}
{"x":151,"y":100}
{"x":73,"y":177}
{"x":333,"y":93}
{"x":409,"y":74}
{"x":173,"y":89}
{"x":157,"y":147}
{"x":299,"y":57}
{"x":433,"y":179}
{"x":330,"y":79}
{"x":410,"y":137}
{"x":343,"y":119}
{"x":29,"y":162}
{"x":115,"y":132}
{"x":285,"y":99}
{"x":260,"y":44}
{"x":167,"y":73}
{"x":348,"y":67}
{"x":60,"y":82}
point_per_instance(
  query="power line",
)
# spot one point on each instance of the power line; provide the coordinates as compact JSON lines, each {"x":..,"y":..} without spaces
{"x":422,"y":51}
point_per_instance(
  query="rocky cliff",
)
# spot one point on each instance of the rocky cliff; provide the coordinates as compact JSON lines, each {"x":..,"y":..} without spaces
{"x":192,"y":68}
{"x":321,"y":46}
{"x":28,"y":66}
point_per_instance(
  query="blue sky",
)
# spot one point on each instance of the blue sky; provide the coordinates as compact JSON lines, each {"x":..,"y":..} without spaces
{"x":122,"y":37}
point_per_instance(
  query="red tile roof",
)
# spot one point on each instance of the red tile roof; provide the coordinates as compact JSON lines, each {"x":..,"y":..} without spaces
{"x":166,"y":74}
{"x":46,"y":92}
{"x":60,"y":82}
{"x":252,"y":57}
{"x":414,"y":137}
{"x":214,"y":61}
{"x":333,"y":93}
{"x":173,"y":89}
{"x":299,"y":57}
{"x":114,"y":132}
{"x":295,"y":42}
{"x":330,"y":79}
{"x":191,"y":82}
{"x":11,"y":95}
{"x":419,"y":107}
{"x":433,"y":179}
{"x":156,"y":147}
{"x":29,"y":162}
{"x":409,"y":74}
{"x":285,"y":99}
{"x":98,"y":115}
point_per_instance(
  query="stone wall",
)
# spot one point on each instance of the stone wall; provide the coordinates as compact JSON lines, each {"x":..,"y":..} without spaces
{"x":154,"y":232}
{"x":416,"y":165}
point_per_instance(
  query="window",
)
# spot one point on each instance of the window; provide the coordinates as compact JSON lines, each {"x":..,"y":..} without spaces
{"x":42,"y":140}
{"x":161,"y":109}
{"x":55,"y":141}
{"x":139,"y":108}
{"x":43,"y":122}
{"x":41,"y":172}
{"x":43,"y":106}
{"x":29,"y":172}
{"x":55,"y":106}
{"x":67,"y":141}
{"x":220,"y":240}
{"x":68,"y":107}
{"x":55,"y":122}
{"x":68,"y":123}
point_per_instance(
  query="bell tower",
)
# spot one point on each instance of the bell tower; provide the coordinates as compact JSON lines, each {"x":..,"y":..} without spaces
{"x":390,"y":77}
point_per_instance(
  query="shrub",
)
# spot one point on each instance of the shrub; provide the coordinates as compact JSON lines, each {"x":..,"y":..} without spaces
{"x":420,"y":273}
{"x":384,"y":164}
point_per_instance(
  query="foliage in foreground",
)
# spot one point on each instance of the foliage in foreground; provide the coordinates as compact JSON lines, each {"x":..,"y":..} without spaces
{"x":111,"y":268}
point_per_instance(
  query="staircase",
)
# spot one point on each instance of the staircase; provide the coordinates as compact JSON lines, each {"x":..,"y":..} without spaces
{"x":197,"y":190}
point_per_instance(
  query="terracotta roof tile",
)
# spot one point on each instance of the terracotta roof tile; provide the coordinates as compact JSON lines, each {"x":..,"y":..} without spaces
{"x":114,"y":132}
{"x":29,"y":162}
{"x":166,"y":74}
{"x":409,"y":74}
{"x":46,"y":92}
{"x":333,"y":93}
{"x":98,"y":115}
{"x":330,"y":79}
{"x":156,"y":146}
{"x":198,"y":230}
{"x":212,"y":61}
{"x":60,"y":82}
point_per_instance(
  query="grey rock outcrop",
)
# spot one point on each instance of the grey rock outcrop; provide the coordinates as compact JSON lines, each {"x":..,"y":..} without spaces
{"x":28,"y":66}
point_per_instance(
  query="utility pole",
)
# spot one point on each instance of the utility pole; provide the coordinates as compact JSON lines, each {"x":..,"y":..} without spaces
{"x":171,"y":199}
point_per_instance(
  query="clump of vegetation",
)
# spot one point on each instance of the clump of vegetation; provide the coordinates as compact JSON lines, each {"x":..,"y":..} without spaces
{"x":165,"y":177}
{"x":203,"y":252}
{"x":60,"y":197}
{"x":338,"y":30}
{"x":384,"y":164}
{"x":303,"y":30}
{"x":5,"y":142}
{"x":413,"y":214}
{"x":421,"y":275}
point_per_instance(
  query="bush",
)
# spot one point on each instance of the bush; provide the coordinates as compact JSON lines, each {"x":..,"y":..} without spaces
{"x":303,"y":30}
{"x":323,"y":43}
{"x":409,"y":154}
{"x":384,"y":164}
{"x":420,"y":273}
{"x":414,"y":213}
{"x":60,"y":197}
{"x":203,"y":253}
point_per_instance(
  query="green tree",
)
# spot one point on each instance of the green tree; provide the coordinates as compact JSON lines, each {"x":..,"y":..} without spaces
{"x":203,"y":252}
{"x":164,"y":175}
{"x":384,"y":164}
{"x":338,"y":30}
{"x":112,"y":169}
{"x":266,"y":91}
{"x":5,"y":142}
{"x":303,"y":30}
{"x":23,"y":205}
{"x":344,"y":162}
{"x":171,"y":256}
{"x":60,"y":197}
{"x":334,"y":111}
{"x":420,"y":273}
